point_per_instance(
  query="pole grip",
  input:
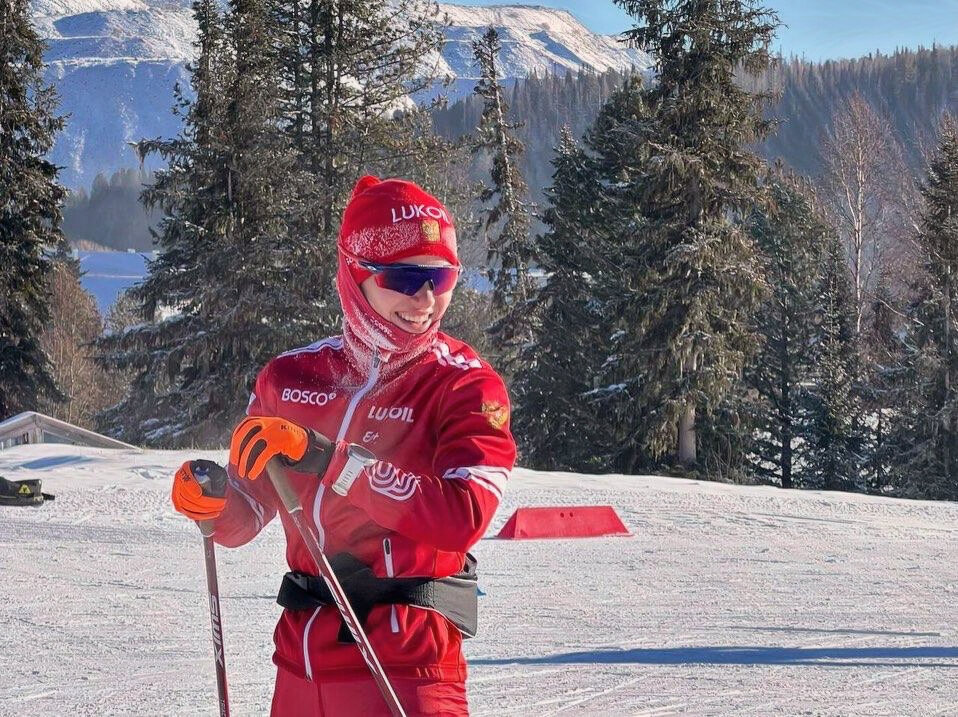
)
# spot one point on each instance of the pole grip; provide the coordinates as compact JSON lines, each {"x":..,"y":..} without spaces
{"x":277,"y":474}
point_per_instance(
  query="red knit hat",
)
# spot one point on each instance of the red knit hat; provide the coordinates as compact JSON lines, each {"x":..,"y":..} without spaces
{"x":389,"y":220}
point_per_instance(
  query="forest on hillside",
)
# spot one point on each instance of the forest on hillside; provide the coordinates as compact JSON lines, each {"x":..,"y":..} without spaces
{"x":911,"y":87}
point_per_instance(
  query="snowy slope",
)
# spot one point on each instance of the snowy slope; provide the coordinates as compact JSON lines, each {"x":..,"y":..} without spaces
{"x":115,"y":63}
{"x":107,"y":274}
{"x":727,"y":601}
{"x":534,"y":39}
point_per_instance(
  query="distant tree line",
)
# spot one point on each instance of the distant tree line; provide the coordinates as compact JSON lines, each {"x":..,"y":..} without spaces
{"x":111,"y":215}
{"x":910,"y":88}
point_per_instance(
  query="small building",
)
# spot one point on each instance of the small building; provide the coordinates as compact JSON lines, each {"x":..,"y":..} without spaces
{"x":33,"y":427}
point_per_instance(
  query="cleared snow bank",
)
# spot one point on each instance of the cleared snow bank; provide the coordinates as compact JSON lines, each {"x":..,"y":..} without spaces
{"x":728,"y":600}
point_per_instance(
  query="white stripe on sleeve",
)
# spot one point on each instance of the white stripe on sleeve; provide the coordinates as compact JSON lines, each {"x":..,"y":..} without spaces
{"x":492,"y":478}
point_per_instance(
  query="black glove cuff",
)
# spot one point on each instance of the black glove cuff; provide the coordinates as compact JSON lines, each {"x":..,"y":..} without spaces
{"x":211,"y":477}
{"x":317,"y":456}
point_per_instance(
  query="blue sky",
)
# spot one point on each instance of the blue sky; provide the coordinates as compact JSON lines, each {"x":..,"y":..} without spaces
{"x":817,"y":29}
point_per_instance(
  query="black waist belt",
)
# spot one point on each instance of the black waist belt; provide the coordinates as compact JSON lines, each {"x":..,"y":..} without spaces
{"x":455,"y":597}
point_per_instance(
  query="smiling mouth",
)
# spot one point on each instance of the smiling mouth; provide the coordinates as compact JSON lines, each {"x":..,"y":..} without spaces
{"x":413,"y":321}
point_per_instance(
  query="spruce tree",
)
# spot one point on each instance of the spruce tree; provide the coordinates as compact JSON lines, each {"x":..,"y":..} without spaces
{"x":585,"y":410}
{"x":926,"y":430}
{"x":883,"y":352}
{"x":193,"y":195}
{"x":790,"y":233}
{"x":30,"y":199}
{"x":227,"y":290}
{"x":834,"y":441}
{"x":545,"y":103}
{"x":557,"y":419}
{"x":508,"y":218}
{"x":610,"y":219}
{"x":690,"y":276}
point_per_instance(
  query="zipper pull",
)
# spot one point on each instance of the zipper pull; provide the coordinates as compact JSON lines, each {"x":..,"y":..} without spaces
{"x":388,"y":557}
{"x":390,"y":572}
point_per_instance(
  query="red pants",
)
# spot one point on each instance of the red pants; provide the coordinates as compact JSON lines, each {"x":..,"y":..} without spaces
{"x":359,"y":697}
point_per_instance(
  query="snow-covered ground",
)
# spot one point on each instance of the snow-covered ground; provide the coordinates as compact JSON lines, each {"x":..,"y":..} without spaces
{"x":726,"y":601}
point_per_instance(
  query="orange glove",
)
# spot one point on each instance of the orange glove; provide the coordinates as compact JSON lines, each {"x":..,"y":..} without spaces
{"x":258,"y":439}
{"x":198,"y":490}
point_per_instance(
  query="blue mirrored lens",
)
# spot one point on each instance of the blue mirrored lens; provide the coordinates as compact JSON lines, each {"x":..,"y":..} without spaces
{"x":409,"y":278}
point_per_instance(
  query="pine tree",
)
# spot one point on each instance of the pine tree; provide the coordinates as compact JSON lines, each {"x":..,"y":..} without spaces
{"x":507,"y":220}
{"x":557,"y":418}
{"x":790,"y":233}
{"x":834,"y":439}
{"x":227,"y":290}
{"x":193,"y":193}
{"x":30,"y":199}
{"x":691,"y":279}
{"x":926,"y":430}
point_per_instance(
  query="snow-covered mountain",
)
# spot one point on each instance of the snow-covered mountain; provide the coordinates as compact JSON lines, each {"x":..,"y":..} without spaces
{"x":534,"y":39}
{"x":115,"y":63}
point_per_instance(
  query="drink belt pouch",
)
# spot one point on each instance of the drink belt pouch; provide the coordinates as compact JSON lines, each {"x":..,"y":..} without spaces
{"x":456,"y":597}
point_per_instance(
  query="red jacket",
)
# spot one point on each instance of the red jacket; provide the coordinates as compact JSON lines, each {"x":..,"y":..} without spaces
{"x":440,"y":427}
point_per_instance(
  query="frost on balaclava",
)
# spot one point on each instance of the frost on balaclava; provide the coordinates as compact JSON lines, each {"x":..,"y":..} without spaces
{"x":387,"y":221}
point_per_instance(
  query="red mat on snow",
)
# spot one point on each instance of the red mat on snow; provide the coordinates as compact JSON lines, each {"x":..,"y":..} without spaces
{"x":571,"y":521}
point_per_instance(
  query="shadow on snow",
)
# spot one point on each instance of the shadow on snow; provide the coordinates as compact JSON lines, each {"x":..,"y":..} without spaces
{"x":838,"y":656}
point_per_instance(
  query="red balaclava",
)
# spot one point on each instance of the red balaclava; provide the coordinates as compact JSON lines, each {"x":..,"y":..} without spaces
{"x":387,"y":221}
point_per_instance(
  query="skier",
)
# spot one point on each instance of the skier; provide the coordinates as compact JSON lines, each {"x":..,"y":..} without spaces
{"x":423,"y":421}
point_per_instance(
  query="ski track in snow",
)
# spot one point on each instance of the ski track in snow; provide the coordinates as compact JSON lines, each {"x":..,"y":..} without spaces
{"x":726,"y":600}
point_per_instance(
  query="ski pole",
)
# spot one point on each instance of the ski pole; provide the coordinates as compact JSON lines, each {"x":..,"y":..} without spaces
{"x":277,"y":474}
{"x":213,"y":478}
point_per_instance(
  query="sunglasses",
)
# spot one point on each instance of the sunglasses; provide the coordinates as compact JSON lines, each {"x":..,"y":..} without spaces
{"x":408,"y":278}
